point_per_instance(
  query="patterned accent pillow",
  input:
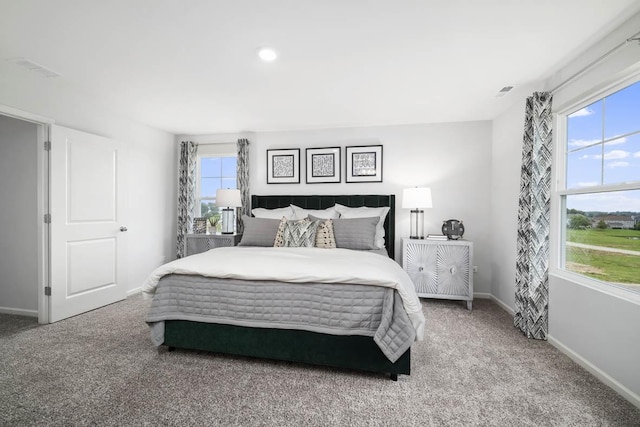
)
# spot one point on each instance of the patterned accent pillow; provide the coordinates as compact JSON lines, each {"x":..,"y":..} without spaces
{"x":300,"y":234}
{"x":324,"y":235}
{"x":280,"y":233}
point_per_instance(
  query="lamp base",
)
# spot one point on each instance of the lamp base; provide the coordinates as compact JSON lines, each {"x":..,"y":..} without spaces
{"x":227,"y":221}
{"x":417,"y":224}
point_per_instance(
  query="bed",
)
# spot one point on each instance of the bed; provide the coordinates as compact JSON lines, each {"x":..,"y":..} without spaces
{"x":323,"y":343}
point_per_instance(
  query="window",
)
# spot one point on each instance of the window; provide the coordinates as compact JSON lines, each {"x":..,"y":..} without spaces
{"x":213,"y":172}
{"x":600,"y":193}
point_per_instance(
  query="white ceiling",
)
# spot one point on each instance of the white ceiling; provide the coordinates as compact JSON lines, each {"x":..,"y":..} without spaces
{"x":190,"y":66}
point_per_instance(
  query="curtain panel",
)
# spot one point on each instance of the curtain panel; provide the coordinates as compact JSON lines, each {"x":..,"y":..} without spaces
{"x":186,"y":193}
{"x":532,"y":263}
{"x":242,"y":172}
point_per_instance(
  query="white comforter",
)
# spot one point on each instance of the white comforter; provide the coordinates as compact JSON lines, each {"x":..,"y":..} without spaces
{"x":298,"y":265}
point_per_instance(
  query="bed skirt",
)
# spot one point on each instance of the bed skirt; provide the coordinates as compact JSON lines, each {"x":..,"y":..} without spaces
{"x":339,"y":351}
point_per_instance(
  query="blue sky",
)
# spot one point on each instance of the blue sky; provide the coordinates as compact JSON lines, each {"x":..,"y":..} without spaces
{"x":617,"y":160}
{"x":213,"y":172}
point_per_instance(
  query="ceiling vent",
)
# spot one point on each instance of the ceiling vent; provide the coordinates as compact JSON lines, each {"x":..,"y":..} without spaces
{"x":505,"y":90}
{"x":32,"y":66}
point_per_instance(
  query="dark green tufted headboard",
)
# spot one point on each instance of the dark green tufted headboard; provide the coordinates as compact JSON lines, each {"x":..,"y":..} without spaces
{"x":323,"y":202}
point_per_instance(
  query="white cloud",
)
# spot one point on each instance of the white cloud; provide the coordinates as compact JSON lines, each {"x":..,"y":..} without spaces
{"x":617,"y":164}
{"x":587,"y":184}
{"x":582,"y":112}
{"x":616,"y":154}
{"x":636,"y":155}
{"x":606,"y":202}
{"x":587,"y":142}
{"x":582,"y":142}
{"x":611,"y":155}
{"x":616,"y":141}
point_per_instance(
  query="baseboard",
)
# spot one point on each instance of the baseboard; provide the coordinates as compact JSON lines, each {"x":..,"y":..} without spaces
{"x":134,"y":291}
{"x":597,"y":372}
{"x":19,"y":312}
{"x":482,"y":295}
{"x":503,"y":305}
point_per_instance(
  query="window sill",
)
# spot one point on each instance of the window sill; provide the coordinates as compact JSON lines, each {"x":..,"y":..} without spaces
{"x":596,"y":285}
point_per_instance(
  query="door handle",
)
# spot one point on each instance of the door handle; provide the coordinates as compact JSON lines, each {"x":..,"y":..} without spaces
{"x":123,"y":229}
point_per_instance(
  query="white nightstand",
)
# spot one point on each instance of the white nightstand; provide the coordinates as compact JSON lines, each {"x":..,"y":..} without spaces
{"x":440,"y":269}
{"x":197,"y":243}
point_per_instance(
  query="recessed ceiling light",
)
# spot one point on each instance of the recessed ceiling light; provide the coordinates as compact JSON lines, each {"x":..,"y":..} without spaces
{"x":505,"y":90}
{"x":267,"y":54}
{"x":32,"y":66}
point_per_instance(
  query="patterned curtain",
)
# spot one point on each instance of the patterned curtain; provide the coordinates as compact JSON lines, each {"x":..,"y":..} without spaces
{"x":186,"y":192}
{"x":243,"y":181}
{"x":532,"y":265}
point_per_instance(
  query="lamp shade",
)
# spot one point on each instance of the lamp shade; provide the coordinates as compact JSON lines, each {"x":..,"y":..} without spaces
{"x":416,"y":198}
{"x":228,"y":198}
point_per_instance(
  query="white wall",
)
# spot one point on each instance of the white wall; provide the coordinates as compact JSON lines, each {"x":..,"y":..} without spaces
{"x":595,"y":327}
{"x":18,"y":217}
{"x":506,"y":159}
{"x":152,"y":174}
{"x":454,"y":159}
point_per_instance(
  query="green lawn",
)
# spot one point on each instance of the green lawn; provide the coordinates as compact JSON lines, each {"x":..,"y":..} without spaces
{"x":621,"y":239}
{"x":605,"y":266}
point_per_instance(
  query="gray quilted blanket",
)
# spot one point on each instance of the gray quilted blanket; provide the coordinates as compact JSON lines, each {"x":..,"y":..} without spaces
{"x":337,"y":309}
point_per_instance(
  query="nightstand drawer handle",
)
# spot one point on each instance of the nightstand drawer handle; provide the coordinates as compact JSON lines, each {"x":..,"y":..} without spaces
{"x":452,"y":270}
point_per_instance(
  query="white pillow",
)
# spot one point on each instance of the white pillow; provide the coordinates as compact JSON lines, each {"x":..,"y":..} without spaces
{"x":365,"y":212}
{"x":277,"y":213}
{"x":301,"y":213}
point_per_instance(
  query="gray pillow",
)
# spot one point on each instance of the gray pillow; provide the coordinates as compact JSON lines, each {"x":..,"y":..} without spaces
{"x":259,"y":231}
{"x":354,"y":233}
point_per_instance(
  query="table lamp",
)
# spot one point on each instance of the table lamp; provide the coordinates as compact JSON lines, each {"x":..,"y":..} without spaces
{"x":416,"y":199}
{"x":228,"y":199}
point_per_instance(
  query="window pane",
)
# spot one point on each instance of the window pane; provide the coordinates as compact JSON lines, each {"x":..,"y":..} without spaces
{"x":229,"y":166}
{"x":622,"y":160}
{"x":229,"y":183}
{"x":209,"y":186}
{"x":584,"y":126}
{"x":584,"y":167}
{"x":208,"y":208}
{"x":603,"y":237}
{"x":622,"y":111}
{"x":210,"y":167}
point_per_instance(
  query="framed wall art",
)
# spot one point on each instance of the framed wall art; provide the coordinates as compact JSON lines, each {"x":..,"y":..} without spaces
{"x":323,"y":165}
{"x":283,"y":166}
{"x":363,"y":163}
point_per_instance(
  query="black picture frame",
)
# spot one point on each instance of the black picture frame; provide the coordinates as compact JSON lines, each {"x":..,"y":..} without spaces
{"x":363,"y":163}
{"x":283,"y":166}
{"x":323,"y":165}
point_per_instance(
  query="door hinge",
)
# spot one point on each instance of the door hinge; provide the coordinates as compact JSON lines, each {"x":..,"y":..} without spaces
{"x":47,"y":146}
{"x":47,"y":291}
{"x":47,"y":218}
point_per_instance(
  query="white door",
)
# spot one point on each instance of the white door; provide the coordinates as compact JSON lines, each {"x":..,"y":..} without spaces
{"x":87,"y":228}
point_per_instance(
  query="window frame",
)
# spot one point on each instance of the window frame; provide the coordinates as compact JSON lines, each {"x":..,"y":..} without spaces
{"x":559,"y":192}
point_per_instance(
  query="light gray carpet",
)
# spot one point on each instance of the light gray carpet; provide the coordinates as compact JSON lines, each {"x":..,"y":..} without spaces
{"x":474,"y":368}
